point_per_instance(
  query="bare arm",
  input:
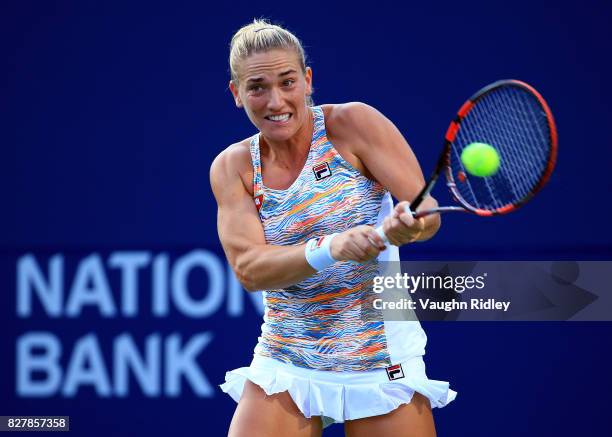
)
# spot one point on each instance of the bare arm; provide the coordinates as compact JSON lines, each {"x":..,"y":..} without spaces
{"x":258,"y":265}
{"x":381,"y":148}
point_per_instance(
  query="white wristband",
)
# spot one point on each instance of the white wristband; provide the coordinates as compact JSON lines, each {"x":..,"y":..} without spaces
{"x":318,"y":252}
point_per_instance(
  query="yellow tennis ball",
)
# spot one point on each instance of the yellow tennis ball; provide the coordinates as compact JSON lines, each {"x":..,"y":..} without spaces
{"x":480,"y":159}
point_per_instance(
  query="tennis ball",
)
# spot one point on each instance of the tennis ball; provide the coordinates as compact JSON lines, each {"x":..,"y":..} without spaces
{"x":480,"y":159}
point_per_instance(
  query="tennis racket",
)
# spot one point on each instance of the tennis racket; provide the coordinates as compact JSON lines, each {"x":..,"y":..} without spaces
{"x":514,"y":118}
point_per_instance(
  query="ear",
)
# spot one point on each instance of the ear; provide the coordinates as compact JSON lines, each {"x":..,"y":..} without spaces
{"x":234,"y":89}
{"x":308,"y":79}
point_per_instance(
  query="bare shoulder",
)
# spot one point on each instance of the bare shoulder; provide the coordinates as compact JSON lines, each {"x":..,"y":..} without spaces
{"x":350,"y":115}
{"x":232,"y":164}
{"x":352,"y":120}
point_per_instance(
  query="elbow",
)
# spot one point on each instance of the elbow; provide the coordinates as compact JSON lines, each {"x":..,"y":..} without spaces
{"x":249,"y":285}
{"x":245,"y":275}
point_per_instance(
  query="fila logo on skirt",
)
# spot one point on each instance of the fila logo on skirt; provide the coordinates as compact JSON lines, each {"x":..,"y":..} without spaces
{"x":322,"y":171}
{"x":395,"y":372}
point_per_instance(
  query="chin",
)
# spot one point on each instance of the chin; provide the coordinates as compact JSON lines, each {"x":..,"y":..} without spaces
{"x":278,"y":133}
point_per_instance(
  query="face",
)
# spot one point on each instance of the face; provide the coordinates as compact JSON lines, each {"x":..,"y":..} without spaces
{"x":272,"y":89}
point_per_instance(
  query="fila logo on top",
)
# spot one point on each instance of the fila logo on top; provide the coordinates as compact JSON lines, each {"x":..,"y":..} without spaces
{"x":322,"y":171}
{"x":395,"y":372}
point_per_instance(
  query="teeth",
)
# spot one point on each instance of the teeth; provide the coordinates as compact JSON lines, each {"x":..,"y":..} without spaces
{"x":282,"y":117}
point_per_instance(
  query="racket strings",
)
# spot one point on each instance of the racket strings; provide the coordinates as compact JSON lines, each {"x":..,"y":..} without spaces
{"x":509,"y":126}
{"x":538,"y":138}
{"x":517,"y":160}
{"x":512,"y":121}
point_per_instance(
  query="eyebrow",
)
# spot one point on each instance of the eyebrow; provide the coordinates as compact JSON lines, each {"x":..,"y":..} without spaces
{"x":287,"y":72}
{"x":260,"y":79}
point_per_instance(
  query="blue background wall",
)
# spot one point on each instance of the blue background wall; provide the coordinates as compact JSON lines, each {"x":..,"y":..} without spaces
{"x":113,"y":112}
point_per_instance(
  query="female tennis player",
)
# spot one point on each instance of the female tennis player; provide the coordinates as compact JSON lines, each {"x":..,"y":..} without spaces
{"x":298,"y":204}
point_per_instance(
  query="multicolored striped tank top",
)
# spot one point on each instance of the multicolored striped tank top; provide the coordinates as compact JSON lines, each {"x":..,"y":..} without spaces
{"x":318,"y":323}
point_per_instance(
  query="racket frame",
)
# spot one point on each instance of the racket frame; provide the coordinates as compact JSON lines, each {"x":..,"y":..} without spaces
{"x":443,"y":164}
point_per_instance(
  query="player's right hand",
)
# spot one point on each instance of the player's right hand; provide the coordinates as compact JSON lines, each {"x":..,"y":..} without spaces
{"x":360,"y":244}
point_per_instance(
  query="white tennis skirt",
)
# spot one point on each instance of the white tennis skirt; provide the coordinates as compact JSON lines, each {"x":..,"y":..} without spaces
{"x":340,"y":396}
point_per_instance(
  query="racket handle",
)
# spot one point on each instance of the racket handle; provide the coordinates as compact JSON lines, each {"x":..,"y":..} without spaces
{"x":425,"y":213}
{"x":379,"y":231}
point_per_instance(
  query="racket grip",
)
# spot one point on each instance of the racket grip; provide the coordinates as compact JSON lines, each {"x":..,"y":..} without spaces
{"x":379,"y":231}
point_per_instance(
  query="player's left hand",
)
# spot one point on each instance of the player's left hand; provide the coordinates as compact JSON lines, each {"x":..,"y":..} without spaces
{"x":401,"y":227}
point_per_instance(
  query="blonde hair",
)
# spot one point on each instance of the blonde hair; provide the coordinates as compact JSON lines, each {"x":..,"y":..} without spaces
{"x":262,"y":36}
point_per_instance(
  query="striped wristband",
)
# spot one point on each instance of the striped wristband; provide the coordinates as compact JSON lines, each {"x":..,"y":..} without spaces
{"x":318,"y":252}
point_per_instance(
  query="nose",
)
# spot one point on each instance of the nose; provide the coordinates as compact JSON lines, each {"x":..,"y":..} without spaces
{"x":275,"y":102}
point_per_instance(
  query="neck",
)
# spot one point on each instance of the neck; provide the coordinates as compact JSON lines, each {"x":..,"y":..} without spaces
{"x":293,"y":148}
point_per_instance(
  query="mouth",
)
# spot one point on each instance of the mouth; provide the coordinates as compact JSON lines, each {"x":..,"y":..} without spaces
{"x":279,"y":118}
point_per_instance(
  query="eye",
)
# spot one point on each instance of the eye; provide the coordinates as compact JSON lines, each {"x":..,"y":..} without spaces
{"x":255,"y":88}
{"x":288,"y":82}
